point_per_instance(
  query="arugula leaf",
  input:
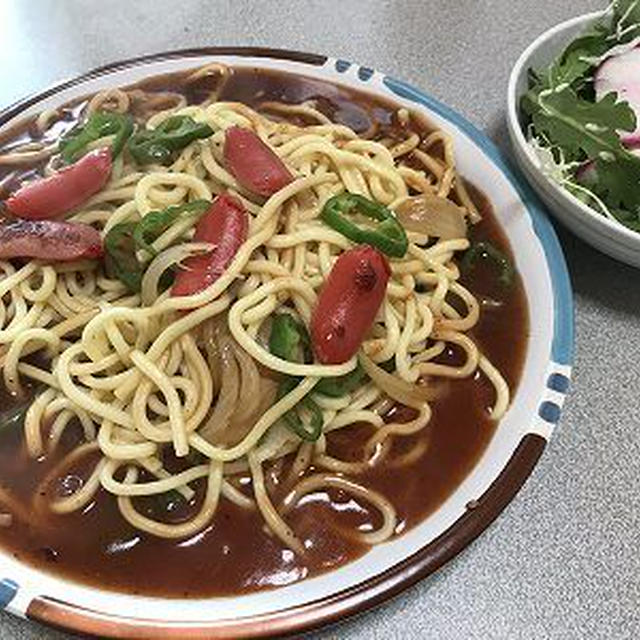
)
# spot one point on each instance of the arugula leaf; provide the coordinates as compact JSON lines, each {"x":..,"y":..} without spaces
{"x":576,"y":60}
{"x":619,"y":180}
{"x":576,"y":124}
{"x":574,"y":64}
{"x":588,"y":130}
{"x":627,"y":11}
{"x":628,"y":218}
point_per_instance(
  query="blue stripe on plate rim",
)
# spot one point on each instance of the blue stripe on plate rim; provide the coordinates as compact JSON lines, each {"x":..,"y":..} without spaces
{"x":8,"y":590}
{"x":557,"y":384}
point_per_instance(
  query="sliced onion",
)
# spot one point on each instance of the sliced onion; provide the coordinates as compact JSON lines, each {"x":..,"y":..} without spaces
{"x":227,"y":401}
{"x":433,"y":216}
{"x":162,"y":262}
{"x":411,"y":395}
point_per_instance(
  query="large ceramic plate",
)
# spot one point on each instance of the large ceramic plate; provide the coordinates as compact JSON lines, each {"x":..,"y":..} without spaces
{"x":509,"y":458}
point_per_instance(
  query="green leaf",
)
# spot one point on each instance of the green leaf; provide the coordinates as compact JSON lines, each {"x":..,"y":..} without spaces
{"x":618,"y":181}
{"x":629,"y":219}
{"x":580,"y":56}
{"x":561,"y":106}
{"x":588,"y":130}
{"x":581,"y":127}
{"x":577,"y":59}
{"x":578,"y":125}
{"x":627,"y":9}
{"x":574,"y":66}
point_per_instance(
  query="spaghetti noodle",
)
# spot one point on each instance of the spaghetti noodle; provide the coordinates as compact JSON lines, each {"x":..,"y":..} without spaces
{"x":146,"y":371}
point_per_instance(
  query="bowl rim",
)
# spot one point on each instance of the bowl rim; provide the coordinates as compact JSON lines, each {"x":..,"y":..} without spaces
{"x":629,"y":238}
{"x":450,"y":542}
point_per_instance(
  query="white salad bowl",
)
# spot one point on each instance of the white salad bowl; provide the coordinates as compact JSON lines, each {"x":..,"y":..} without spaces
{"x":509,"y":458}
{"x":607,"y":236}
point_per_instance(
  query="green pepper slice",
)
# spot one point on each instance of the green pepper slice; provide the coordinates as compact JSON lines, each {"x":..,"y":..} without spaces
{"x":310,"y":431}
{"x":160,"y":144}
{"x":389,"y":236}
{"x":339,"y":386}
{"x":155,"y":223}
{"x":289,"y":339}
{"x":124,"y":239}
{"x":100,"y":124}
{"x":487,"y":250}
{"x":120,"y":255}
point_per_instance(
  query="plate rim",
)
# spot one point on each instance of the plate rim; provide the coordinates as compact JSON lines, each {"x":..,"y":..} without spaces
{"x":376,"y":590}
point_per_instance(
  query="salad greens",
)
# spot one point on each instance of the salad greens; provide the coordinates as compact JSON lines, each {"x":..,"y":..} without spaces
{"x":577,"y":134}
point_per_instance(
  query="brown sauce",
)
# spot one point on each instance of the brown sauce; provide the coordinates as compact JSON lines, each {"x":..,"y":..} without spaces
{"x":234,"y":553}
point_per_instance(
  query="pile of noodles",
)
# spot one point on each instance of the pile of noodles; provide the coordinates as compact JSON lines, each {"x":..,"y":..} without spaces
{"x":144,"y":372}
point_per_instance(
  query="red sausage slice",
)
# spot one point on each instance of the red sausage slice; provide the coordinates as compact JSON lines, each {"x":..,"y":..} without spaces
{"x":49,"y":240}
{"x":63,"y":191}
{"x":348,"y":304}
{"x":253,"y":164}
{"x":225,"y":225}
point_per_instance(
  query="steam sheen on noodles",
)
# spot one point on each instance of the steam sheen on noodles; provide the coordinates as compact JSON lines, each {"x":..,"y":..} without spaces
{"x":143,"y":372}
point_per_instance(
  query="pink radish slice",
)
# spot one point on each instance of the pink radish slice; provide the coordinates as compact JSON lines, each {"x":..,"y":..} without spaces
{"x":586,"y":173}
{"x":621,"y":74}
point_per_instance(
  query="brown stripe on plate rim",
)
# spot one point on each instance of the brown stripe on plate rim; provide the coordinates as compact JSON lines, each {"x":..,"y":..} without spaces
{"x":14,"y":109}
{"x":327,"y":610}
